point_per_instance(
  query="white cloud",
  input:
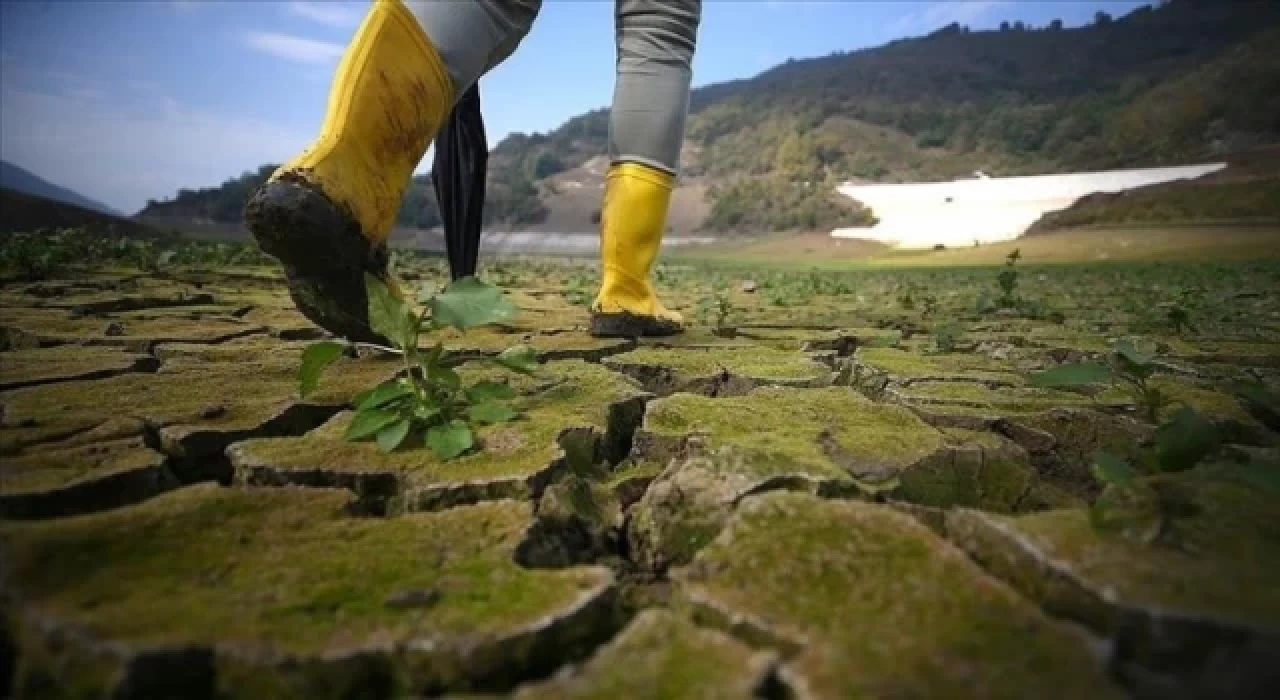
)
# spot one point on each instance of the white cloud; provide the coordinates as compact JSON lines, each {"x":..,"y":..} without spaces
{"x":294,"y":48}
{"x":342,"y":15}
{"x":939,"y":14}
{"x":124,"y":155}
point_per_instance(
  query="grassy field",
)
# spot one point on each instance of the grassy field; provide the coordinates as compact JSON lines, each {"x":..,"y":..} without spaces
{"x":1128,"y":243}
{"x":939,"y":454}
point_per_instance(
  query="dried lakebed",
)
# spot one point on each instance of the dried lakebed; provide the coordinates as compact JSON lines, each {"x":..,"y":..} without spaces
{"x":819,"y":502}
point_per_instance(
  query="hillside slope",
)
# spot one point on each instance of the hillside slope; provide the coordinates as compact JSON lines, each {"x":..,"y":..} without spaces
{"x":22,"y":213}
{"x":1247,"y":191}
{"x":22,"y":180}
{"x":1186,"y":81}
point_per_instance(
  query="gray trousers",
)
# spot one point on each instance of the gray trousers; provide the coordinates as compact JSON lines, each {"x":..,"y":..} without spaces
{"x":655,"y":46}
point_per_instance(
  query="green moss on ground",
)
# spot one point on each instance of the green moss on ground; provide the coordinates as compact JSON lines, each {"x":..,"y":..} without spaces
{"x":976,"y":470}
{"x":509,"y":458}
{"x":905,"y":364}
{"x":666,"y":370}
{"x":780,"y":430}
{"x":1224,"y":565}
{"x":229,"y":398}
{"x":62,"y":327}
{"x":67,"y":363}
{"x":990,"y":401}
{"x":51,"y":469}
{"x":268,"y":572}
{"x":661,"y":656}
{"x":854,"y":586}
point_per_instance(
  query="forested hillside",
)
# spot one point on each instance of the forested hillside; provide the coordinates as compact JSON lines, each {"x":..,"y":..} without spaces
{"x":1181,"y":82}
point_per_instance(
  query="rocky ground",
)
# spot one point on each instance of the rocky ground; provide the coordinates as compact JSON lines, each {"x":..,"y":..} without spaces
{"x":837,"y":485}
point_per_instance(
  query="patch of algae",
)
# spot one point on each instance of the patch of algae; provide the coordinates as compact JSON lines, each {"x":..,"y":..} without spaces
{"x":251,"y":349}
{"x":989,"y":401}
{"x":1224,"y":568}
{"x":665,"y":370}
{"x":42,"y":471}
{"x":902,"y":364}
{"x":829,"y":441}
{"x":513,"y":458}
{"x":663,"y":657}
{"x":33,"y":366}
{"x":794,"y":339}
{"x":978,"y":470}
{"x":1237,"y":352}
{"x":482,"y":341}
{"x":555,"y":346}
{"x":1051,"y":337}
{"x":1209,"y":402}
{"x":185,"y":398}
{"x":878,"y":606}
{"x":278,"y":319}
{"x":61,"y":327}
{"x":264,"y":575}
{"x":784,"y":428}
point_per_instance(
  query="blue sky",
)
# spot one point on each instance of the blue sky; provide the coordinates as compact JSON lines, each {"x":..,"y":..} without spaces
{"x":129,"y":100}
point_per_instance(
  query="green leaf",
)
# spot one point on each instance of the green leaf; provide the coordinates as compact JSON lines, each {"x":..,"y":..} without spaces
{"x":390,"y":437}
{"x":469,"y":302}
{"x":1079,"y":374}
{"x":1110,"y":469}
{"x":315,"y":359}
{"x":445,"y":376}
{"x":491,"y":412}
{"x":489,"y":391}
{"x":1184,"y":440}
{"x":389,"y":316}
{"x":383,"y":394}
{"x":520,"y":358}
{"x":366,"y":424}
{"x":426,"y":412}
{"x":449,"y":440}
{"x":1125,"y":349}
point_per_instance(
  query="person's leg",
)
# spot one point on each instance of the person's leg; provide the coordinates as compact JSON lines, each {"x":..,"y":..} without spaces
{"x":326,"y":214}
{"x":656,"y":41}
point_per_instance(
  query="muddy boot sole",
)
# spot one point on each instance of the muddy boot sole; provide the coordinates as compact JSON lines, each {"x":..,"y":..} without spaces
{"x":323,"y":252}
{"x":629,"y":325}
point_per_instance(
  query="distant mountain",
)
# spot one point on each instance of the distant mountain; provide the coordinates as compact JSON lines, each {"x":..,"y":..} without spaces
{"x":23,"y":213}
{"x":1184,"y":81}
{"x":22,"y":180}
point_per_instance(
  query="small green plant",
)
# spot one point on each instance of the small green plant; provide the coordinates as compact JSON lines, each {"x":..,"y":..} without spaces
{"x":1179,"y":319}
{"x":907,"y":298}
{"x":984,"y":303}
{"x":579,"y":290}
{"x":1124,"y":367}
{"x":1008,"y":280}
{"x":720,"y":313}
{"x":780,"y":297}
{"x":1138,"y":504}
{"x":946,"y":336}
{"x":930,"y":306}
{"x":429,"y":401}
{"x":33,"y":257}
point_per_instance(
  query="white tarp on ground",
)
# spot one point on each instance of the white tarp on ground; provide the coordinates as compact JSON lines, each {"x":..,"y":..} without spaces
{"x":987,"y":210}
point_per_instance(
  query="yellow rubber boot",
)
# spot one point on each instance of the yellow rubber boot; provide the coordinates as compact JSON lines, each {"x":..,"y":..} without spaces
{"x":632,"y":220}
{"x":327,"y":213}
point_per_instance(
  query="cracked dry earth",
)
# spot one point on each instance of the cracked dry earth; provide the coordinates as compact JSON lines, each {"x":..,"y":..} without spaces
{"x":819,"y":506}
